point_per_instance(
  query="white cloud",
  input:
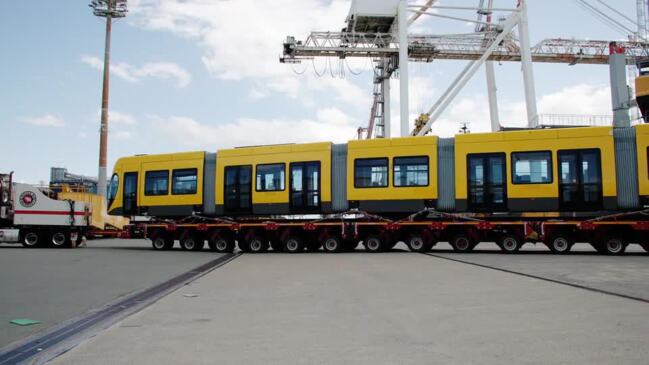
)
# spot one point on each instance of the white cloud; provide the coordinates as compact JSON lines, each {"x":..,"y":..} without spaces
{"x":240,"y":38}
{"x":243,"y":40}
{"x":582,"y":99}
{"x":121,"y":118}
{"x":47,"y":120}
{"x":127,"y":72}
{"x":330,"y":124}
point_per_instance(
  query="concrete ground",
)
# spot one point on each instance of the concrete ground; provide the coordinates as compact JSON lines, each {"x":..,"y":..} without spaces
{"x":395,"y":307}
{"x":53,"y":285}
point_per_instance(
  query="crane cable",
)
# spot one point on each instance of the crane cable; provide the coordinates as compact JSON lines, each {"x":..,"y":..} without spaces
{"x":604,"y":17}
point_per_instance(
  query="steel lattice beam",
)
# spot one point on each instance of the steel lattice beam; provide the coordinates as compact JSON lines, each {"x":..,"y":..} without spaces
{"x":426,"y":48}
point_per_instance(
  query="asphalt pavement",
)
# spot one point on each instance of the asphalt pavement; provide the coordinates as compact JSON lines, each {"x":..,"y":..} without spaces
{"x":397,"y":307}
{"x":55,"y":285}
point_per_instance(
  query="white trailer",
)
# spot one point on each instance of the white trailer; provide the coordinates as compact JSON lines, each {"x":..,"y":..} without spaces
{"x":30,"y":216}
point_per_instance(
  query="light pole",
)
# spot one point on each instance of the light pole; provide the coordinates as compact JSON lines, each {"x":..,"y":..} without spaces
{"x":108,"y":9}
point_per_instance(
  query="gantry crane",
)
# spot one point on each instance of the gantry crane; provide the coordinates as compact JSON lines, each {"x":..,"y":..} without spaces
{"x":378,"y":38}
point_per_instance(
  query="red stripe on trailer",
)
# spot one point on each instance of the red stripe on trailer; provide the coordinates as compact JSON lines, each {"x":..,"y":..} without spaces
{"x":46,"y":212}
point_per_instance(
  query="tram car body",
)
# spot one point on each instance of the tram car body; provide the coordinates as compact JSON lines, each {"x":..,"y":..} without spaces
{"x":562,"y":172}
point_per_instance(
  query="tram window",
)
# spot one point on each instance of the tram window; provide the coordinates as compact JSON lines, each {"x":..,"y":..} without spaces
{"x":270,"y":177}
{"x":156,"y":183}
{"x":532,"y":167}
{"x":410,"y":171}
{"x":184,"y":181}
{"x":371,"y":173}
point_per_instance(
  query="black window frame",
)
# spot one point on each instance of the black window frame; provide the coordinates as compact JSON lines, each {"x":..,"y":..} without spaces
{"x":146,"y":179}
{"x":513,"y":168}
{"x":113,"y":188}
{"x":387,"y":171}
{"x":271,"y":164}
{"x":394,"y":173}
{"x":173,"y":181}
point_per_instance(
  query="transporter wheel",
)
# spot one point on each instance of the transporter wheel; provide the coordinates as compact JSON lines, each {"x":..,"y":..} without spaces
{"x":293,"y":244}
{"x":31,"y":239}
{"x":332,"y":244}
{"x":417,"y":243}
{"x":162,"y":243}
{"x":220,"y":244}
{"x":560,"y":244}
{"x":462,"y":243}
{"x":257,"y":244}
{"x":374,"y":243}
{"x":510,"y":243}
{"x":613,"y":246}
{"x":192,"y":243}
{"x":60,"y":239}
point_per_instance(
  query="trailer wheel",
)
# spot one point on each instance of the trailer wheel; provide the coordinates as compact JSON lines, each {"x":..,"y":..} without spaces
{"x":614,"y":246}
{"x":560,"y":244}
{"x":60,"y":239}
{"x":374,"y":243}
{"x":31,"y":239}
{"x":332,"y":244}
{"x":293,"y":244}
{"x":417,"y":243}
{"x":162,"y":243}
{"x":222,"y":245}
{"x":257,"y":244}
{"x":509,"y":243}
{"x":462,"y":243}
{"x":192,"y":243}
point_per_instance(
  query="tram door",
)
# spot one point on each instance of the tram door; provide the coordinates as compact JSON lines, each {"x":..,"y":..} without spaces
{"x":129,"y":198}
{"x":487,"y":182}
{"x":580,"y":187}
{"x":238,"y":189}
{"x":305,"y":187}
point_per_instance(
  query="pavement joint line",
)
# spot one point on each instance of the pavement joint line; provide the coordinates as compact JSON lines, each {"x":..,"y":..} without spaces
{"x":57,"y":340}
{"x":555,"y":281}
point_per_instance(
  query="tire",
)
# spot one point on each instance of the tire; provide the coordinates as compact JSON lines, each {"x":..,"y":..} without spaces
{"x":162,"y":243}
{"x":462,"y":243}
{"x":293,"y":244}
{"x":192,"y":243}
{"x":60,"y":239}
{"x":257,"y":244}
{"x":613,"y":246}
{"x":374,"y":243}
{"x":417,"y":243}
{"x":560,"y":245}
{"x":332,"y":244}
{"x":222,"y":245}
{"x":509,"y":243}
{"x":31,"y":239}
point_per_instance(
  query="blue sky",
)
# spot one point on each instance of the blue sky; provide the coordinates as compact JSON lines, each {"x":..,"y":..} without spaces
{"x":203,"y":75}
